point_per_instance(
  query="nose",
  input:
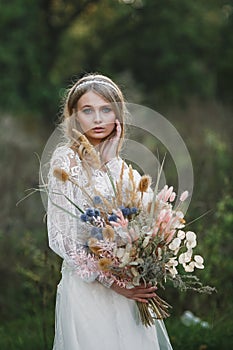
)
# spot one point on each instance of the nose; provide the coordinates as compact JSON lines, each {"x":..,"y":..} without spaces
{"x":98,"y":117}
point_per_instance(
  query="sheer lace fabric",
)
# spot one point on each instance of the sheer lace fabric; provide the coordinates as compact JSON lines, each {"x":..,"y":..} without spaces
{"x":89,"y":316}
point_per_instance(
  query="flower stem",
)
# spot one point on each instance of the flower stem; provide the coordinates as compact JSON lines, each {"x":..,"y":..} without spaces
{"x":156,"y":308}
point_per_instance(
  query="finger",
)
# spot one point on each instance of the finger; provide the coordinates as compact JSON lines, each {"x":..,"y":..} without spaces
{"x":141,"y":300}
{"x":145,"y":289}
{"x":145,"y":296}
{"x":118,"y":128}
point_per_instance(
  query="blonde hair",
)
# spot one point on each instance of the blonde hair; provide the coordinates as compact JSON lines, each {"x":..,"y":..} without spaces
{"x":109,"y":91}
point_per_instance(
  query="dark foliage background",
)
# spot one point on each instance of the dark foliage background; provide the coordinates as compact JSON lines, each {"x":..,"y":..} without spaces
{"x":173,"y":56}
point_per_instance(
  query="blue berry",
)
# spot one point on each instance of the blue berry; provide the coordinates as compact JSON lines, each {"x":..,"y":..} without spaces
{"x":90,"y":212}
{"x":112,"y":217}
{"x":84,"y":217}
{"x":125,"y":211}
{"x":133,"y":210}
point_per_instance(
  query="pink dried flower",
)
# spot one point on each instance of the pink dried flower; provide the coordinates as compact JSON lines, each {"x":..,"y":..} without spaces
{"x":121,"y":221}
{"x":184,"y":196}
{"x":168,"y":194}
{"x":173,"y":196}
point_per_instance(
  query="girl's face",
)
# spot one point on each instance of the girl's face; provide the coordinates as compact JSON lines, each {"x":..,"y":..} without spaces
{"x":95,"y":116}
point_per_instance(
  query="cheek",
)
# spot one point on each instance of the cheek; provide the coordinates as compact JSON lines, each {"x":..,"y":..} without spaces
{"x":84,"y":124}
{"x":111,"y":125}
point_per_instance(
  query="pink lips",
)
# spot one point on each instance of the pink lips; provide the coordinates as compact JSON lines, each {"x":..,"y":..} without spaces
{"x":98,"y":129}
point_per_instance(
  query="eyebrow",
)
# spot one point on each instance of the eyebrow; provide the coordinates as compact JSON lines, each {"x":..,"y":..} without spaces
{"x":104,"y":105}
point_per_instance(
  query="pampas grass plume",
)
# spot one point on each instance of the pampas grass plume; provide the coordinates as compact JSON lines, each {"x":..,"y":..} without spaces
{"x":104,"y":264}
{"x":144,"y":183}
{"x":108,"y":233}
{"x":92,"y":243}
{"x":61,"y":174}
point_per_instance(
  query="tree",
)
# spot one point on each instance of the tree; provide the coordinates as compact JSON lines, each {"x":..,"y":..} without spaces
{"x":32,"y":32}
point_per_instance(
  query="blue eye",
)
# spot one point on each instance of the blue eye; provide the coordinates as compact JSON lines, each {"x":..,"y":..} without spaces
{"x":106,"y":109}
{"x":87,"y":110}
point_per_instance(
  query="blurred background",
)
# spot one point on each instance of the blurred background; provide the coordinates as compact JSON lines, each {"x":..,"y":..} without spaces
{"x":175,"y":57}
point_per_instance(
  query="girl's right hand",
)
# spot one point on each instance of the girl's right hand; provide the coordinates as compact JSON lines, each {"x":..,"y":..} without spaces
{"x":108,"y":148}
{"x":140,"y":293}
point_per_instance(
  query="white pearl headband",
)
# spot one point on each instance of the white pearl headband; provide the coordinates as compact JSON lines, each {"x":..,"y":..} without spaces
{"x":101,"y":82}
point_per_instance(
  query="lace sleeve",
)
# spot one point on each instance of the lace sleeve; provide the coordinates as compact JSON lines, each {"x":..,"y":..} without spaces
{"x":65,"y":230}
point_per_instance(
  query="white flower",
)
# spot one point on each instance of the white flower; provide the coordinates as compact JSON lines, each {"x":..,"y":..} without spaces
{"x":172,"y":262}
{"x":191,"y":241}
{"x":185,"y":257}
{"x":189,"y":267}
{"x":198,"y":261}
{"x":189,"y":253}
{"x":171,"y":266}
{"x":182,"y":258}
{"x":173,"y":271}
{"x":178,"y":221}
{"x":191,"y":244}
{"x":175,"y":244}
{"x":181,"y":234}
{"x":190,"y":236}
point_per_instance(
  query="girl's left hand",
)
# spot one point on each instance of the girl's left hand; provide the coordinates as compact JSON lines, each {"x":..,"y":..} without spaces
{"x":141,"y":293}
{"x":108,"y":148}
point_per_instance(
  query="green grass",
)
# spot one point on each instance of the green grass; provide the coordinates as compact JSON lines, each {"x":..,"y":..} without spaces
{"x":218,"y":337}
{"x":26,"y":333}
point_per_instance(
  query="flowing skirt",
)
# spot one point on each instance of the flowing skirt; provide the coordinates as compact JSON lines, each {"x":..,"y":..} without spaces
{"x":90,"y":316}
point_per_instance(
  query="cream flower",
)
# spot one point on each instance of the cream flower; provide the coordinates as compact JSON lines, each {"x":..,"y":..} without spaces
{"x":175,"y":244}
{"x":178,"y":221}
{"x":190,"y":236}
{"x":185,"y":257}
{"x":181,"y":234}
{"x":173,"y":271}
{"x":189,"y":267}
{"x":171,"y":266}
{"x":198,"y":261}
{"x":191,"y":244}
{"x":191,"y":241}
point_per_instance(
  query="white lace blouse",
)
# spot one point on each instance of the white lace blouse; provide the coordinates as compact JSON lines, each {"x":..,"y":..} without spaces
{"x":66,"y":232}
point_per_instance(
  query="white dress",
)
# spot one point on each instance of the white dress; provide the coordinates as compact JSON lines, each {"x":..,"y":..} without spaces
{"x":89,"y":314}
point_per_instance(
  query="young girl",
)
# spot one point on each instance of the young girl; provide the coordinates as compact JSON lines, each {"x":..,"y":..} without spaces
{"x":92,"y":313}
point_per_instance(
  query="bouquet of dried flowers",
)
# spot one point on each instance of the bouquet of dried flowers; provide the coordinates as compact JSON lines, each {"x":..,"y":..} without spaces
{"x":133,"y":241}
